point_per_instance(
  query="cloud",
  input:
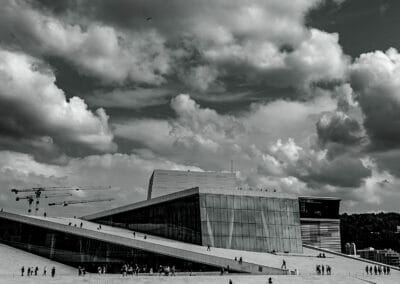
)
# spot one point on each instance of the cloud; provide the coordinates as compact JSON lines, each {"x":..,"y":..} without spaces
{"x":338,"y":127}
{"x":207,"y":46}
{"x":95,"y":49}
{"x":33,"y":110}
{"x":129,"y":98}
{"x":374,"y":78}
{"x":209,"y":140}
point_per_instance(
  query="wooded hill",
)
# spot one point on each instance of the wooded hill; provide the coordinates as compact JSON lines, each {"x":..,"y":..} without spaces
{"x":371,"y":230}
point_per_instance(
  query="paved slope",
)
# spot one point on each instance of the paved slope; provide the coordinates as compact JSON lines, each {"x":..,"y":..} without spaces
{"x":13,"y":259}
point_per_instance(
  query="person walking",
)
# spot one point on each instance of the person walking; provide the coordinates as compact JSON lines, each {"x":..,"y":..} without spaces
{"x":36,"y":270}
{"x":366,"y":269}
{"x":270,"y":280}
{"x":208,"y":248}
{"x":28,"y":271}
{"x":283,"y":264}
{"x":44,"y":271}
{"x":388,"y":270}
{"x":323,"y":269}
{"x":53,"y":271}
{"x":375,"y":270}
{"x":22,"y":271}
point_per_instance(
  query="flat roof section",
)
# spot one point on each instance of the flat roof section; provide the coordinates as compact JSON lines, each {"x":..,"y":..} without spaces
{"x":164,"y":182}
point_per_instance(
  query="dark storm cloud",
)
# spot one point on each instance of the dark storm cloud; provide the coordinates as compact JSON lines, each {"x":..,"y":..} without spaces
{"x":342,"y":171}
{"x":337,"y":127}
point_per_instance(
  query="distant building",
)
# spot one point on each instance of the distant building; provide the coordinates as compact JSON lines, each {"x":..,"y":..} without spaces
{"x":320,"y":223}
{"x":350,"y":248}
{"x":386,"y":256}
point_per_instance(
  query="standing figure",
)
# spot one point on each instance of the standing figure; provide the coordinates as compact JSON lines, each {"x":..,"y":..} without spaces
{"x":283,"y":264}
{"x":44,"y":271}
{"x":53,"y":272}
{"x":22,"y":271}
{"x":28,"y":272}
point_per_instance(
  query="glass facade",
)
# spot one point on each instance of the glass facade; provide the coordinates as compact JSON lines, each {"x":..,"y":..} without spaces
{"x":80,"y":251}
{"x":319,"y":208}
{"x":178,"y":219}
{"x":252,"y":223}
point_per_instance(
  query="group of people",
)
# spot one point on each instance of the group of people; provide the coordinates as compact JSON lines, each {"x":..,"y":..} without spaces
{"x":130,"y":269}
{"x":81,"y":271}
{"x":322,"y":268}
{"x":30,"y":271}
{"x":321,"y":255}
{"x":240,"y":259}
{"x":377,"y":270}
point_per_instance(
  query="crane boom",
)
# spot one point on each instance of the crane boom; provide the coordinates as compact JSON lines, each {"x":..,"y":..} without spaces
{"x":72,"y":202}
{"x":39,"y":190}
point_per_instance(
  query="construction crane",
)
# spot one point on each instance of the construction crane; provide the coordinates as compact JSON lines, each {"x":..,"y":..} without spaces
{"x":31,"y":198}
{"x":73,"y":202}
{"x":48,"y":195}
{"x":38,"y":190}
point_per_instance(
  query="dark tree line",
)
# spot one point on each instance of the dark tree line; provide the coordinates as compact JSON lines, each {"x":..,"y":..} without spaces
{"x":371,"y":230}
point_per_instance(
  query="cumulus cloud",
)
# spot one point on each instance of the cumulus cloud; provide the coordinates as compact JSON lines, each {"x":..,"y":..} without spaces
{"x":33,"y":108}
{"x":203,"y":137}
{"x":97,"y":50}
{"x":375,"y":80}
{"x":207,"y":45}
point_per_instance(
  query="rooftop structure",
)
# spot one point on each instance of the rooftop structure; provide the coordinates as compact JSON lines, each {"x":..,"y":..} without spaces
{"x":163,"y":182}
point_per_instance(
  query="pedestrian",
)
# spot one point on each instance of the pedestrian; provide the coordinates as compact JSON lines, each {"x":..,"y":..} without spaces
{"x":240,"y":260}
{"x":36,"y":270}
{"x":283,"y":264}
{"x":230,"y":281}
{"x":79,"y":271}
{"x":370,"y":270}
{"x":83,"y":271}
{"x":235,"y":258}
{"x":44,"y":271}
{"x":145,"y":237}
{"x":99,"y":270}
{"x":28,"y":272}
{"x":134,"y":235}
{"x":328,"y":270}
{"x":384,"y":270}
{"x":22,"y":271}
{"x":208,"y":248}
{"x":388,"y":270}
{"x":81,"y":225}
{"x":322,"y":269}
{"x":53,"y":271}
{"x":270,"y":280}
{"x":366,"y":269}
{"x":173,"y":270}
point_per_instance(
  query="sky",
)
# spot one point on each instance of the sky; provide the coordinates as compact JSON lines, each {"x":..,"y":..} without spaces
{"x":302,"y":96}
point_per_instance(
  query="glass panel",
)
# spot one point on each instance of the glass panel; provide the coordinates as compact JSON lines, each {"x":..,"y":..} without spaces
{"x":236,"y":202}
{"x":209,"y":200}
{"x":224,"y":202}
{"x":230,"y":201}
